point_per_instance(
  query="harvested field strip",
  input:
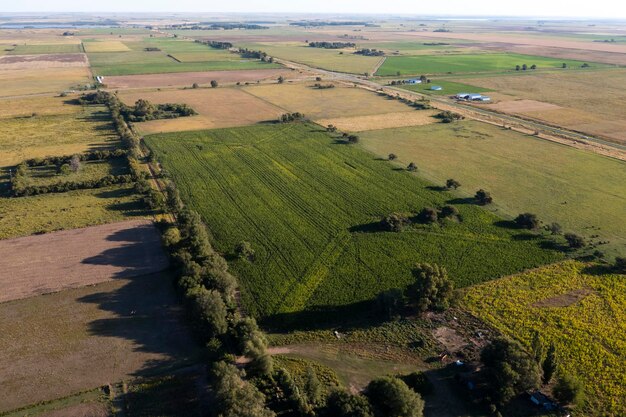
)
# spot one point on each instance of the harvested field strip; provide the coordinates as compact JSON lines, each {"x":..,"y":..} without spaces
{"x":60,"y":48}
{"x":188,"y":78}
{"x":80,"y":257}
{"x":588,"y":333}
{"x":310,"y":206}
{"x":327,"y":103}
{"x":79,"y":339}
{"x":381,"y":121}
{"x":42,"y":80}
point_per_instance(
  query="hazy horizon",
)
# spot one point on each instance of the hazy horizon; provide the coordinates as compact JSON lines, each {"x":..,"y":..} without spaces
{"x":601,"y":9}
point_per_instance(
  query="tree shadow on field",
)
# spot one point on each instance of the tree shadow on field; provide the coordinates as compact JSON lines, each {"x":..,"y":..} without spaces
{"x":139,"y":252}
{"x":144,"y":326}
{"x":372,"y":227}
{"x":466,"y":200}
{"x":353,"y":316}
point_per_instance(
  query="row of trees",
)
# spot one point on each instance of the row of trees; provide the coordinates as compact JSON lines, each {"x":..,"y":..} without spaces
{"x":332,"y":45}
{"x":291,"y":117}
{"x":370,"y":52}
{"x":524,"y":67}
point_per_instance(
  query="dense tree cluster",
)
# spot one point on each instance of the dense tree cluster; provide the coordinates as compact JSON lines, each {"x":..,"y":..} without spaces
{"x":527,"y":221}
{"x":483,"y":197}
{"x":449,"y":116}
{"x":143,"y":111}
{"x":510,"y":370}
{"x":332,"y":45}
{"x":291,"y":117}
{"x":217,"y":26}
{"x":216,"y":44}
{"x":370,"y":52}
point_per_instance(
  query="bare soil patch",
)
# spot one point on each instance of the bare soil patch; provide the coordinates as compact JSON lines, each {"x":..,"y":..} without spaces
{"x":48,"y":263}
{"x":564,"y":300}
{"x":14,"y":62}
{"x":79,"y":339}
{"x":381,"y":121}
{"x":450,"y":339}
{"x":217,"y":107}
{"x":189,"y":78}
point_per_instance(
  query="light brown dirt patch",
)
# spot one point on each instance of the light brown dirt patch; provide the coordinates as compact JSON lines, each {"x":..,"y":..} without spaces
{"x":381,"y":121}
{"x":189,"y":78}
{"x":524,"y":106}
{"x":564,"y":300}
{"x":52,"y":262}
{"x":449,"y":338}
{"x":18,"y":62}
{"x":79,"y":339}
{"x":45,"y":80}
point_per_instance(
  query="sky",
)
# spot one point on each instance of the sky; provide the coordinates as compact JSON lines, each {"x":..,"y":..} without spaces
{"x":547,"y":8}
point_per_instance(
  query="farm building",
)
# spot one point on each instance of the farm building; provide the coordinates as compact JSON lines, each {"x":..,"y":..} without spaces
{"x":462,"y":96}
{"x":474,"y":97}
{"x":414,"y":81}
{"x":540,"y":399}
{"x":436,"y":88}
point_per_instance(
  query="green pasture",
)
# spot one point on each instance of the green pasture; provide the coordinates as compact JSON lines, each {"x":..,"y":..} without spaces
{"x":37,"y":49}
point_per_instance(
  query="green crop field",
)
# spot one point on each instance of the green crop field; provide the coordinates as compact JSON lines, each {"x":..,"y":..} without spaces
{"x":443,"y":64}
{"x":448,"y":88}
{"x":194,"y":57}
{"x":342,"y":60}
{"x":579,"y":311}
{"x":558,"y":183}
{"x":46,"y":49}
{"x":310,"y":207}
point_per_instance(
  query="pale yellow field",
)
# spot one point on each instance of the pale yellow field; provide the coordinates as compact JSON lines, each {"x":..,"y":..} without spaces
{"x":381,"y":121}
{"x":44,"y":80}
{"x":327,"y":103}
{"x":105,"y":46}
{"x":40,"y":105}
{"x":60,"y":134}
{"x":592,"y":102}
{"x":217,"y":107}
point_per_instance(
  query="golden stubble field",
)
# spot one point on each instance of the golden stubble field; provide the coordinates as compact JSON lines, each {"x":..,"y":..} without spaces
{"x":329,"y":103}
{"x":590,"y":102}
{"x":217,"y":107}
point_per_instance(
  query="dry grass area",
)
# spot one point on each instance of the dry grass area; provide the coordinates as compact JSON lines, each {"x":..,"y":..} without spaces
{"x":43,"y":61}
{"x":57,"y":134}
{"x":58,"y":344}
{"x":79,"y":257}
{"x":327,"y":103}
{"x":217,"y":107}
{"x":105,"y":46}
{"x":43,"y":80}
{"x":524,"y":106}
{"x":381,"y":121}
{"x":591,"y":102}
{"x":189,"y":78}
{"x":40,"y":105}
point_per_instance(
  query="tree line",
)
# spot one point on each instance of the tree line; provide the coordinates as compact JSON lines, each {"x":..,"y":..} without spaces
{"x":332,"y":45}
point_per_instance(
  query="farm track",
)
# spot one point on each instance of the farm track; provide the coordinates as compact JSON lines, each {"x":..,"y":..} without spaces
{"x":546,"y":131}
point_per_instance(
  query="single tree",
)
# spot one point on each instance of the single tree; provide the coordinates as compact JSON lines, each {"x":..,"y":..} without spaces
{"x":411,"y":167}
{"x":195,"y":85}
{"x":452,"y":183}
{"x":554,"y":228}
{"x":509,"y":369}
{"x":281,"y":79}
{"x":564,"y":65}
{"x":575,"y":241}
{"x":394,"y":222}
{"x":568,"y":391}
{"x":533,"y":66}
{"x":244,"y":251}
{"x":517,"y":68}
{"x":537,"y":348}
{"x":432,"y":288}
{"x":483,"y":197}
{"x":549,"y":365}
{"x":343,"y":404}
{"x":75,"y":163}
{"x":524,"y":67}
{"x":312,"y":387}
{"x":214,"y":84}
{"x":331,"y":128}
{"x":392,"y":157}
{"x":448,"y":211}
{"x":527,"y":221}
{"x":620,"y":265}
{"x":390,"y":396}
{"x":318,"y":78}
{"x":353,"y":139}
{"x":427,"y":215}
